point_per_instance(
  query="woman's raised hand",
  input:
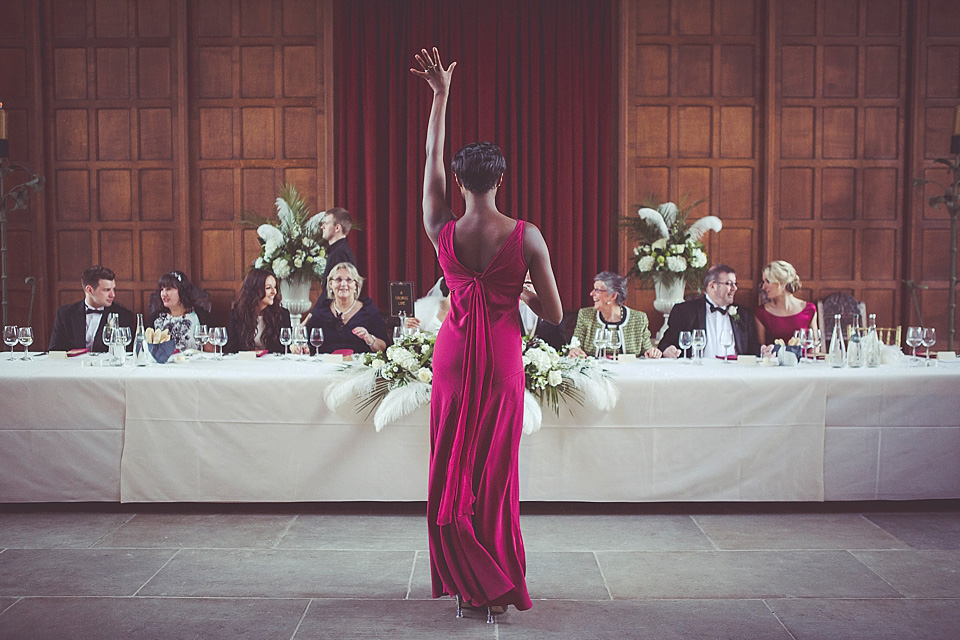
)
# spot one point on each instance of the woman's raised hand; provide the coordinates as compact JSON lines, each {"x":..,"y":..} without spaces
{"x":433,"y":72}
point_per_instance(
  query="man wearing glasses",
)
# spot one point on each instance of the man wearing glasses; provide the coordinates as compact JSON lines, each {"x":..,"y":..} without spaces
{"x":716,"y":313}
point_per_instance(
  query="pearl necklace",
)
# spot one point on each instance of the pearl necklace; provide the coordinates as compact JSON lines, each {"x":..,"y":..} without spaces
{"x":340,"y":314}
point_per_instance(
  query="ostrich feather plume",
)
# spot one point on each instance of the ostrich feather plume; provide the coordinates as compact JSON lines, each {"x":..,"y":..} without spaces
{"x":532,"y":415}
{"x":704,"y":224}
{"x":401,"y":402}
{"x":655,"y":219}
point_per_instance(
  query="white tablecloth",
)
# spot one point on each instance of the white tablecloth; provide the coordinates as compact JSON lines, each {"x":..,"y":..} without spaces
{"x":259,"y":431}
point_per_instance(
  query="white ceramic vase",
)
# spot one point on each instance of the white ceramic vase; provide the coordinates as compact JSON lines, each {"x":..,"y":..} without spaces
{"x":669,"y":291}
{"x":295,"y":292}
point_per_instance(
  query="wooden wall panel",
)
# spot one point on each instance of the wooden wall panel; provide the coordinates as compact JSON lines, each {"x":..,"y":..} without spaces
{"x":114,"y":164}
{"x":935,"y":94}
{"x":795,"y":119}
{"x":840,"y":156}
{"x":20,"y":88}
{"x":262,"y":112}
{"x":692,"y":98}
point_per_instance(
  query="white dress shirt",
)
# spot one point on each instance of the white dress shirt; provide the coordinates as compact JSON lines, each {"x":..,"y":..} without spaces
{"x":716,"y":323}
{"x":93,"y":323}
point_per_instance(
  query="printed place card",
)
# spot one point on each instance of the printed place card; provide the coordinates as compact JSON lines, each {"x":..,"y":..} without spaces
{"x":401,"y":298}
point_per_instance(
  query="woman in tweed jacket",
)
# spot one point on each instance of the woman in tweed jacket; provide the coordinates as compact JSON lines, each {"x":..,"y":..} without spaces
{"x":608,"y":310}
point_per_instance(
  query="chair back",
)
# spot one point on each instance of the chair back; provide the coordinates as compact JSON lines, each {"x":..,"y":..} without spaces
{"x":887,"y":335}
{"x":847,"y":306}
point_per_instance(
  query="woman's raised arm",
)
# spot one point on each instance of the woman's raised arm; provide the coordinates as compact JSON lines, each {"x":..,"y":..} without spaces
{"x":436,"y":213}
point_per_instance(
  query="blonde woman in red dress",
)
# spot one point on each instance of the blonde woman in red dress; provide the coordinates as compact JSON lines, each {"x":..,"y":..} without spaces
{"x":476,"y":410}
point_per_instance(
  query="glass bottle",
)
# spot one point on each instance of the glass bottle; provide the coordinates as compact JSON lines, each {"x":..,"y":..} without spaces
{"x":855,"y":345}
{"x":836,"y":356}
{"x":871,"y":343}
{"x":141,"y":356}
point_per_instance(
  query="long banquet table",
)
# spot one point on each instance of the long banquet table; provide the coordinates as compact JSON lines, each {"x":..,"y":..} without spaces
{"x":238,"y":431}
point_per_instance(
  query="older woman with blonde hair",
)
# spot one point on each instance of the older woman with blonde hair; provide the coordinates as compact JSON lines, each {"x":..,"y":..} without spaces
{"x":348,"y":320}
{"x":783,"y":313}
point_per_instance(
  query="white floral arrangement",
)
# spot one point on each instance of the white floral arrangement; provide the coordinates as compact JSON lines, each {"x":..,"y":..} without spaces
{"x":668,"y":243}
{"x":395,"y":382}
{"x":294,"y":246}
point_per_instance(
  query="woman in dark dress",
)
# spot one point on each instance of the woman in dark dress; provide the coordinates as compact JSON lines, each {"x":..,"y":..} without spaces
{"x":256,"y":316}
{"x":348,"y":320}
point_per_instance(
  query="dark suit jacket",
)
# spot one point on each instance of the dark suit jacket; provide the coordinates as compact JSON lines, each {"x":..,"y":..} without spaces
{"x":550,"y":333}
{"x":692,"y":314}
{"x":70,"y":326}
{"x":337,"y":252}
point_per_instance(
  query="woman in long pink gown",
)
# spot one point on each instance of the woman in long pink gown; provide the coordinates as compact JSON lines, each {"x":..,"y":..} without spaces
{"x":476,"y":412}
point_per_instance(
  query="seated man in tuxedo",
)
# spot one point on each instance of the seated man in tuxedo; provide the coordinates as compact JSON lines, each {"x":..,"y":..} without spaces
{"x":80,"y":325}
{"x":714,"y":312}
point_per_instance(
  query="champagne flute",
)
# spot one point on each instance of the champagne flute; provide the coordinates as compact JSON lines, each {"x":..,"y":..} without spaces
{"x":686,"y":339}
{"x":10,"y":337}
{"x":928,"y":339}
{"x":200,"y":336}
{"x":726,"y":341}
{"x":286,"y":339}
{"x":316,"y":339}
{"x":124,"y":337}
{"x":300,"y":339}
{"x":807,"y":343}
{"x":914,"y":339}
{"x":25,"y":337}
{"x":699,"y":342}
{"x":108,"y":341}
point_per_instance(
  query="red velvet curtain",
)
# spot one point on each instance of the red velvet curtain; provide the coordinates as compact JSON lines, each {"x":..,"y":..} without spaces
{"x":534,"y":76}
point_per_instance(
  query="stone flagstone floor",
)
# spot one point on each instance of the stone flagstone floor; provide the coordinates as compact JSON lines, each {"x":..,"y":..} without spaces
{"x":870,"y":571}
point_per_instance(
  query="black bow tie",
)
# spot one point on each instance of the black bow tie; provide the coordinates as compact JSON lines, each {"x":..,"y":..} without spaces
{"x":89,"y":310}
{"x":722,"y":310}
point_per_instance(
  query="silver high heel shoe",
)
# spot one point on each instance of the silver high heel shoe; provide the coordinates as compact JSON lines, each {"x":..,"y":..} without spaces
{"x":459,"y":606}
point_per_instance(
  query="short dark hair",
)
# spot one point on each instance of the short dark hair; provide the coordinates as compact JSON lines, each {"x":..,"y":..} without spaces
{"x":478,"y":166}
{"x":93,"y":275}
{"x":341,"y":217}
{"x":713,"y":273}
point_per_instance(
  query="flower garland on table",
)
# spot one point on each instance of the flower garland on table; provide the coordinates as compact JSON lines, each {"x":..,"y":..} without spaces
{"x":294,"y":246}
{"x":669,"y":245}
{"x":396,"y":382}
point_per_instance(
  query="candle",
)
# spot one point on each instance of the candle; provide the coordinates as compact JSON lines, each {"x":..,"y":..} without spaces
{"x":956,"y":121}
{"x":3,"y":123}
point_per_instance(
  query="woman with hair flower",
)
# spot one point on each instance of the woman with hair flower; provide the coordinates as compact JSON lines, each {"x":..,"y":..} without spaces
{"x":178,"y":306}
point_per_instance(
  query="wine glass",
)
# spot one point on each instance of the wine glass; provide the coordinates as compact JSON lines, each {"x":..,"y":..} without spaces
{"x":221,"y":342}
{"x":200,"y":336}
{"x":300,"y":339}
{"x":614,"y":342}
{"x":914,"y":339}
{"x":726,"y":341}
{"x":928,"y":339}
{"x":316,"y":339}
{"x":600,"y":341}
{"x":817,"y":340}
{"x":25,"y":337}
{"x":698,"y":343}
{"x":286,"y":339}
{"x":397,"y":333}
{"x":10,"y":337}
{"x":686,"y":339}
